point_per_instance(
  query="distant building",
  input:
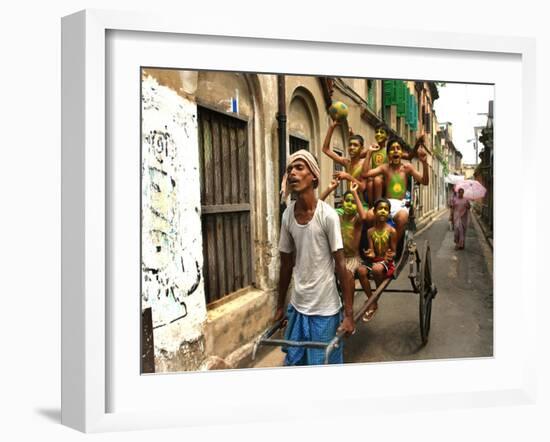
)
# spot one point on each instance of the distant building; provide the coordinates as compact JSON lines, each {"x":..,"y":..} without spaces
{"x":468,"y":171}
{"x":484,"y":171}
{"x":451,"y":156}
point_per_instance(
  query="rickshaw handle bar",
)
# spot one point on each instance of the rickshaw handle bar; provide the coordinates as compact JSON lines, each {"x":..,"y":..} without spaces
{"x":285,"y":343}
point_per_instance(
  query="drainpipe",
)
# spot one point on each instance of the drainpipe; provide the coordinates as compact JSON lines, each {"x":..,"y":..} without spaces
{"x":281,"y":131}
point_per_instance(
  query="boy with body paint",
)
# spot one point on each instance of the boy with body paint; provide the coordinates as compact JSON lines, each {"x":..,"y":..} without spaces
{"x":395,"y":174}
{"x":352,"y":218}
{"x":382,"y":246}
{"x":377,"y":156}
{"x":353,"y":166}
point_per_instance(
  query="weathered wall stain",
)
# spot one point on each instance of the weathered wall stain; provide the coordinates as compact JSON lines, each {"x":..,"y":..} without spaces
{"x":171,"y":227}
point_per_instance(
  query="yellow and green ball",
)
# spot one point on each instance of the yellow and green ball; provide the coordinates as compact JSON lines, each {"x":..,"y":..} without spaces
{"x":338,"y":111}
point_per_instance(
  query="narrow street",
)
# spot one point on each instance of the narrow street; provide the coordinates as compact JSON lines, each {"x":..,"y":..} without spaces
{"x":462,"y":311}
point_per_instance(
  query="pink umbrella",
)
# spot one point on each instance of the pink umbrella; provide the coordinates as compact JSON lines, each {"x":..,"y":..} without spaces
{"x":473,"y":190}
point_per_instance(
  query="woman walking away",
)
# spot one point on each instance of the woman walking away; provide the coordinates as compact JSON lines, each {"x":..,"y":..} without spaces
{"x":461,"y":213}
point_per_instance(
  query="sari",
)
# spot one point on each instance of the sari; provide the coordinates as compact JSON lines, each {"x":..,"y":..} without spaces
{"x":461,"y":214}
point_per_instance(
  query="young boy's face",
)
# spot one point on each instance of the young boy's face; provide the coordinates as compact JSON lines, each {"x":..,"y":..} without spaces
{"x":349,"y":205}
{"x":395,"y":152}
{"x":380,"y":135}
{"x":354,"y":148}
{"x":382,"y":211}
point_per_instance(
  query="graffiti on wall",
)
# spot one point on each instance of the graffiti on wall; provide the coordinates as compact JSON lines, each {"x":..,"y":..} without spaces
{"x":172,"y":259}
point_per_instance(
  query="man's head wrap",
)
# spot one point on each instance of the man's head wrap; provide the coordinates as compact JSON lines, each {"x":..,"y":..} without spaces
{"x":311,"y":162}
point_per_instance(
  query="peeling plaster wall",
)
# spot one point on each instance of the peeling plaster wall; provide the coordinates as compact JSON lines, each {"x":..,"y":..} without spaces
{"x":172,"y":260}
{"x":217,"y":88}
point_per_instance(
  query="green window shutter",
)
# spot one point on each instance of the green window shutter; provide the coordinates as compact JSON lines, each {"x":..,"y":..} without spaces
{"x":405,"y":99}
{"x":389,"y":92}
{"x":410,"y":110}
{"x":400,"y":98}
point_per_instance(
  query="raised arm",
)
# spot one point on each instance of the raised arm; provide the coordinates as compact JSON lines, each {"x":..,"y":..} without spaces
{"x":423,"y":178}
{"x":328,"y":150}
{"x":365,"y":150}
{"x":420,"y":142}
{"x":333,"y":185}
{"x":368,"y":160}
{"x":360,"y":209}
{"x":342,"y":175}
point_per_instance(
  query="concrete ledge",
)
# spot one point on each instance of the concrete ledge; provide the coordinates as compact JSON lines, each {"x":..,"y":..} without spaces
{"x":234,"y":324}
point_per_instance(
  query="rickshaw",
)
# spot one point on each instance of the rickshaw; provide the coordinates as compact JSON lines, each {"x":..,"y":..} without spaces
{"x":420,"y":277}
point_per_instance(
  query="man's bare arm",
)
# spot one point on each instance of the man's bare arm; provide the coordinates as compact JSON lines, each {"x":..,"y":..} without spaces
{"x":346,"y":283}
{"x":285,"y":274}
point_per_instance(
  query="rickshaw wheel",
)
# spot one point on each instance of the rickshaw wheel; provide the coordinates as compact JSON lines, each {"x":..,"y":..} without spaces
{"x":425,"y":295}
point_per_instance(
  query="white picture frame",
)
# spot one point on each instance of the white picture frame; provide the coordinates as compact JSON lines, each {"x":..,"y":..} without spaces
{"x":86,"y":214}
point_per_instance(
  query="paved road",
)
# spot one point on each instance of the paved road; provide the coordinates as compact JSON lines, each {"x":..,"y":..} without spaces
{"x":462,"y":312}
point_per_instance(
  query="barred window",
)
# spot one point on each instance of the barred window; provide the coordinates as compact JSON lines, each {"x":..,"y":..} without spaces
{"x":296,"y":144}
{"x":225,"y":203}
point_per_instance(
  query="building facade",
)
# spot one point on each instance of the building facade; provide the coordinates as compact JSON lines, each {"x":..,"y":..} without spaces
{"x":451,"y":157}
{"x":484,"y":170}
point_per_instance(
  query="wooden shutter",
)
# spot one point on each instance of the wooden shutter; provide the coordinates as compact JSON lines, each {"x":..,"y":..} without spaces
{"x":225,"y":203}
{"x":423,"y":116}
{"x":428,"y":123}
{"x":371,"y":95}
